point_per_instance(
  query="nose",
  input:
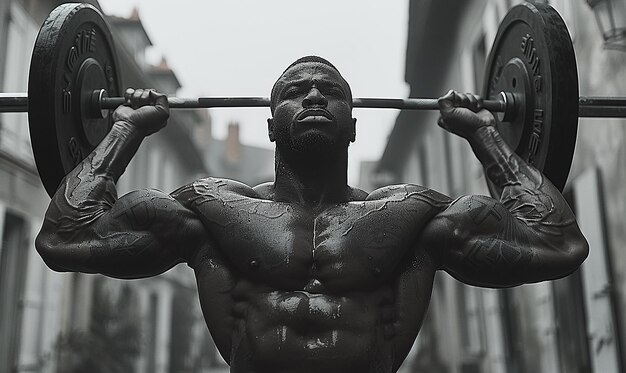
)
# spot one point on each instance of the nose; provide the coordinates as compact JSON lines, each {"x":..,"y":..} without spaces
{"x":314,"y":98}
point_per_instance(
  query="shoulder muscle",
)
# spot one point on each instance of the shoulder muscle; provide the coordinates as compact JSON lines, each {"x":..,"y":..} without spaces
{"x":405,"y":191}
{"x":211,"y":188}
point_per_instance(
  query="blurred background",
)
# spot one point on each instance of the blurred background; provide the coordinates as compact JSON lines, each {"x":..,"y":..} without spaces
{"x":71,"y":322}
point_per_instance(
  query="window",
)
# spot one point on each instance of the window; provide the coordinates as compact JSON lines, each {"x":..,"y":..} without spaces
{"x":13,"y":257}
{"x":512,"y":333}
{"x":472,"y":320}
{"x":571,"y":324}
{"x":597,"y":275}
{"x":22,"y":32}
{"x":479,"y":57}
{"x":151,"y":333}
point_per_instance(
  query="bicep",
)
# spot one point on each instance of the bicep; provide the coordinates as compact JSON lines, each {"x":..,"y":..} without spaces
{"x":478,"y":241}
{"x":144,"y":233}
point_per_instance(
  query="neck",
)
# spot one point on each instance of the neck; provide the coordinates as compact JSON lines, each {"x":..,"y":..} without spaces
{"x":313,"y":182}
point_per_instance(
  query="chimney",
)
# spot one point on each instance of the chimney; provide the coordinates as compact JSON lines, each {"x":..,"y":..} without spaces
{"x":134,"y":15}
{"x":233,"y":147}
{"x":163,"y":64}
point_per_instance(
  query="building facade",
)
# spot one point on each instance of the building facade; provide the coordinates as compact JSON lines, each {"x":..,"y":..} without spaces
{"x":54,"y":322}
{"x":575,"y":324}
{"x":31,"y":296}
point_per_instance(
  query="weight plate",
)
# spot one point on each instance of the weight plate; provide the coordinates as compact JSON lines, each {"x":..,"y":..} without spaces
{"x":533,"y":58}
{"x":73,"y":56}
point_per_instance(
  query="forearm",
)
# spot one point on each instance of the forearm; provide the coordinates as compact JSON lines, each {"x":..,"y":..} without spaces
{"x":103,"y":166}
{"x":526,"y":193}
{"x":88,"y":191}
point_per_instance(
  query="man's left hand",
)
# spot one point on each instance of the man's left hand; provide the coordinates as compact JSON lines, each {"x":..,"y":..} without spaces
{"x":463,"y":114}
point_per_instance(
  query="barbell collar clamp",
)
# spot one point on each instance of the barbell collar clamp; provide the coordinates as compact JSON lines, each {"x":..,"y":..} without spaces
{"x":97,"y":96}
{"x":509,"y":108}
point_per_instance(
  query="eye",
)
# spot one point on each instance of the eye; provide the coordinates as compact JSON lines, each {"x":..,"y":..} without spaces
{"x":337,"y":92}
{"x":291,"y":92}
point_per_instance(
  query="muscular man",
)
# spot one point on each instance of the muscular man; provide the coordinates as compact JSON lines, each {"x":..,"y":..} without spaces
{"x":307,"y":274}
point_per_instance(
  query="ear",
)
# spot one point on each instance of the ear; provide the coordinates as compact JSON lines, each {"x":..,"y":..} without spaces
{"x":270,"y":129}
{"x":353,"y":137}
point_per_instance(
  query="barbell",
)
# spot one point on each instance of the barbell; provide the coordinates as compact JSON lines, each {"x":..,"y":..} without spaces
{"x":588,"y":107}
{"x":530,"y":81}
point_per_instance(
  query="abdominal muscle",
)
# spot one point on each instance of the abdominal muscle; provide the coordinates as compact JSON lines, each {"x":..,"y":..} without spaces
{"x":300,"y":331}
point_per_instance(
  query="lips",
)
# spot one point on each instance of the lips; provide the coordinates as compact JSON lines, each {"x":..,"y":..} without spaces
{"x":315,"y":116}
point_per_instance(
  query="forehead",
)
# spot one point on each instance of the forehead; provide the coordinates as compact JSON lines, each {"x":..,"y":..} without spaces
{"x":311,"y":70}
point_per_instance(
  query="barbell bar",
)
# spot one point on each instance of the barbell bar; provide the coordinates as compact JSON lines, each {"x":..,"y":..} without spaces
{"x":588,"y":107}
{"x":18,"y":102}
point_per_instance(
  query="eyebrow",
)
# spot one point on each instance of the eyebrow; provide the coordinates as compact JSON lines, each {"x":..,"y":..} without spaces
{"x":322,"y":82}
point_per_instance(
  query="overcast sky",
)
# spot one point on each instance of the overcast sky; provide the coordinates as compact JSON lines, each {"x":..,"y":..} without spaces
{"x":240,"y":47}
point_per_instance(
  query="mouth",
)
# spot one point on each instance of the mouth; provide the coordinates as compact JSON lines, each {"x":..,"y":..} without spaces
{"x":315,"y":116}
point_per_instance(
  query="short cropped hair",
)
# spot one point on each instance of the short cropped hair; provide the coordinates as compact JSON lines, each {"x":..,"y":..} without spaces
{"x":305,"y":59}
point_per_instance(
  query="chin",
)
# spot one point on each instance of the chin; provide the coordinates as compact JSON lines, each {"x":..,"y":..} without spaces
{"x":318,"y":145}
{"x":311,"y":150}
{"x":313,"y":141}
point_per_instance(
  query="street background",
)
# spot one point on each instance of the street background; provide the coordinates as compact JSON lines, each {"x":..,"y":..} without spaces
{"x":72,"y":322}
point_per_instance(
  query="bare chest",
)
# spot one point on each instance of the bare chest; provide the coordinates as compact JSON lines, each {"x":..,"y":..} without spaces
{"x":345,"y":247}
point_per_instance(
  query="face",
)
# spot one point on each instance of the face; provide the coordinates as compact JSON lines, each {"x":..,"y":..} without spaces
{"x":313,"y":113}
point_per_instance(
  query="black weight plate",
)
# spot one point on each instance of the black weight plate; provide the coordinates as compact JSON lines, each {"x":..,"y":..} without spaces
{"x":533,"y":58}
{"x":73,"y":55}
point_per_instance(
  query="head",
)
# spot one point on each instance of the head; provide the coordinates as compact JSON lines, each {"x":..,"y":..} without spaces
{"x":311,"y":105}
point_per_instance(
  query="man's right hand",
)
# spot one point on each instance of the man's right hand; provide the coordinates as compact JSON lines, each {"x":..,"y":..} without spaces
{"x":145,"y":109}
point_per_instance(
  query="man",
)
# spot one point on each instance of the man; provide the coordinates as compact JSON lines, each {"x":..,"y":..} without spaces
{"x":307,"y":274}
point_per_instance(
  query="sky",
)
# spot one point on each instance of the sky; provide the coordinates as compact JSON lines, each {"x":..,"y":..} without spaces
{"x":240,"y":47}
